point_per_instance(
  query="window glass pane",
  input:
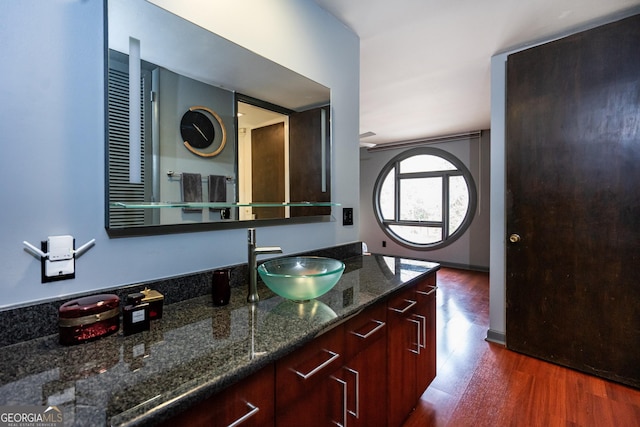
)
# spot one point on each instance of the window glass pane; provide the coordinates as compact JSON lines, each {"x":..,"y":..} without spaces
{"x":419,"y":235}
{"x":421,"y":199}
{"x":458,"y":202}
{"x":425,"y":163}
{"x":413,"y":198}
{"x":388,"y":196}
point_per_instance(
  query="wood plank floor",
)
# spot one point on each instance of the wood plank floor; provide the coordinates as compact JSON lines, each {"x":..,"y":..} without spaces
{"x":483,"y":384}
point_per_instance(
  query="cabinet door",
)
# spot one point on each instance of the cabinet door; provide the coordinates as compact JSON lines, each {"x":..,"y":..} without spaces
{"x":402,"y":349}
{"x":247,"y":403}
{"x":365,"y":371}
{"x":425,"y":312}
{"x":366,"y":379}
{"x":309,"y":390}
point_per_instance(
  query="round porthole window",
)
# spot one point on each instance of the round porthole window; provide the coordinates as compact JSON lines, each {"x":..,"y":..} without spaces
{"x":424,"y":198}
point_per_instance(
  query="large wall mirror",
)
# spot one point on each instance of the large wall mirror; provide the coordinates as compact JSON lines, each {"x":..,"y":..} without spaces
{"x":205,"y":134}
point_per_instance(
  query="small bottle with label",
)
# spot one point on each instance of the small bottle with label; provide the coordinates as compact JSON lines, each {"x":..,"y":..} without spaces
{"x":135,"y":315}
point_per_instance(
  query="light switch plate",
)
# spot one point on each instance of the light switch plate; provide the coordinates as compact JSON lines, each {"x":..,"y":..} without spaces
{"x":347,"y":216}
{"x":54,"y":269}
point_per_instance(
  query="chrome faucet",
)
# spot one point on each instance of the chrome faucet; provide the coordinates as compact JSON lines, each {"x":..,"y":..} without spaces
{"x":253,"y":263}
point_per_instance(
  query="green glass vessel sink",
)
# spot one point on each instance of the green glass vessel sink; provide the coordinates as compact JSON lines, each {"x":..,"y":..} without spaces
{"x":301,"y":278}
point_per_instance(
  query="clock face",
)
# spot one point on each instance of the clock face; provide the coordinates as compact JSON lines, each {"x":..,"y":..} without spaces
{"x":197,"y":129}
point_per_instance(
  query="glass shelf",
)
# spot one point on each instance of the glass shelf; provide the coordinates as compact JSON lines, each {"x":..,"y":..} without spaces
{"x":215,"y":205}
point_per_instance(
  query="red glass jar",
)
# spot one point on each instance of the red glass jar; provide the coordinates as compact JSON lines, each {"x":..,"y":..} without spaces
{"x":88,"y":318}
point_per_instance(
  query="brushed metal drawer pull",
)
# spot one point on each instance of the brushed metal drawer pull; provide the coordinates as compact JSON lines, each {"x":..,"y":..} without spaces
{"x":376,"y":328}
{"x":344,"y":402}
{"x":253,"y":410}
{"x":356,"y":374}
{"x":402,"y":310}
{"x":417,"y":322}
{"x":429,"y":292}
{"x":315,"y":370}
{"x":424,"y":331}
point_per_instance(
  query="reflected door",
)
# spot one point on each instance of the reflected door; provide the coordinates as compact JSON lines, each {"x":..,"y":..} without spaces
{"x":309,"y":160}
{"x":267,"y":169}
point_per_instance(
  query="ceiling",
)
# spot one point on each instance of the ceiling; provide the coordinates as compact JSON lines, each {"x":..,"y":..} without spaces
{"x":425,"y":64}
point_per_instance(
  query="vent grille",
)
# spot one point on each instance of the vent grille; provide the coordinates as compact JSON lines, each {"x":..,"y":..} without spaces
{"x":120,"y":189}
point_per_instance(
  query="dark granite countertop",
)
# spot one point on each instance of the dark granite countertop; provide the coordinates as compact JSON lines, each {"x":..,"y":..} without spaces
{"x":194,"y":351}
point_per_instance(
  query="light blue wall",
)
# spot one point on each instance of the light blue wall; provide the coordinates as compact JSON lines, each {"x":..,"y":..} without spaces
{"x":52,"y":131}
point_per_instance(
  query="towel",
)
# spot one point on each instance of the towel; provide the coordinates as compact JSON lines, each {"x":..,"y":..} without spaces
{"x":217,"y":189}
{"x":191,"y":189}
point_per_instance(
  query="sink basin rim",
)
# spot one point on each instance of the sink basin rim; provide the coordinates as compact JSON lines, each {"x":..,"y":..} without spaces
{"x":306,"y":283}
{"x":264,"y":267}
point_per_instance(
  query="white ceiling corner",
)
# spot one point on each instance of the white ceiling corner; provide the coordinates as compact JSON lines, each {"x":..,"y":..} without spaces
{"x":425,"y":64}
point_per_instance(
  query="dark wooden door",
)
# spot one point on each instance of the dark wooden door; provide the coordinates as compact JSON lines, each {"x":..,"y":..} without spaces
{"x":267,"y":169}
{"x":573,"y":201}
{"x":308,"y":139}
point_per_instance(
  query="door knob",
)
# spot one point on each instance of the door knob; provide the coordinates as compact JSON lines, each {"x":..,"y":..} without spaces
{"x":514,"y":238}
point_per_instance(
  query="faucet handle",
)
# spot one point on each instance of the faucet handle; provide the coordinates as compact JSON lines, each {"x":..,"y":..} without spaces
{"x":269,"y":250}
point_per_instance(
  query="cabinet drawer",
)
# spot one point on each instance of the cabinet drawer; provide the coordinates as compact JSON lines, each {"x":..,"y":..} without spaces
{"x":427,"y":284}
{"x":365,"y":329}
{"x":402,"y":303}
{"x":304,"y":368}
{"x":247,"y":403}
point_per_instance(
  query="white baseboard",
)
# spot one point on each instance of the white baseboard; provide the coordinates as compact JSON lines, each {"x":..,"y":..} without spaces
{"x":496,"y":337}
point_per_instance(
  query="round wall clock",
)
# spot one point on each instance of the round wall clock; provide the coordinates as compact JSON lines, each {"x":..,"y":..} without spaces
{"x":198,"y":131}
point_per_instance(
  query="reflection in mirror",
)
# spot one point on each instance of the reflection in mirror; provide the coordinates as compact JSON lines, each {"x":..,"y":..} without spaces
{"x":263,"y":141}
{"x":282,"y":158}
{"x":174,"y":100}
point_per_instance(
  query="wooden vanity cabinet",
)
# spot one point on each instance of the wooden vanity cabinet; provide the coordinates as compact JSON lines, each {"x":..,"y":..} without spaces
{"x":249,"y":403}
{"x":349,"y":389}
{"x":373,"y":367}
{"x":411,"y":351}
{"x":309,"y":390}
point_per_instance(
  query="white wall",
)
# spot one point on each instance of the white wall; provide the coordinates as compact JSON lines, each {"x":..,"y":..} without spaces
{"x":497,"y":249}
{"x":52,"y":130}
{"x":471,"y":250}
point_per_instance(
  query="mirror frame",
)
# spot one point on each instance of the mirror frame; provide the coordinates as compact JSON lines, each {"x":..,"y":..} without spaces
{"x":174,"y":228}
